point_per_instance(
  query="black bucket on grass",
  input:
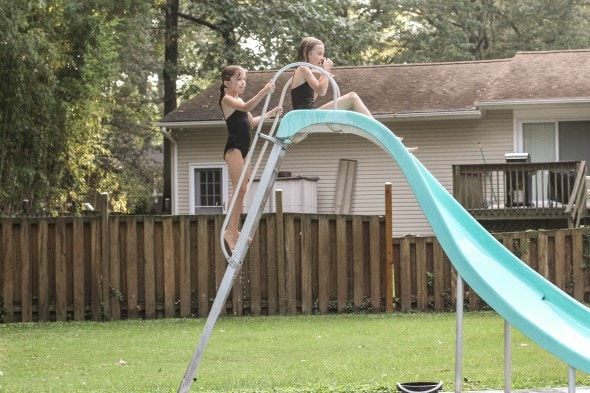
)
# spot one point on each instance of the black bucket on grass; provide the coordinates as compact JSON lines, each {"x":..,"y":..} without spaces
{"x":423,"y":387}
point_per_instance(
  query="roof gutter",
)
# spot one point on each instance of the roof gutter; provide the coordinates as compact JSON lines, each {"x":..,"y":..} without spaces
{"x":439,"y":115}
{"x":532,"y":103}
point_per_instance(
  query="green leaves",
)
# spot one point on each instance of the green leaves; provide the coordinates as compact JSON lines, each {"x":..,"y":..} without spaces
{"x":67,"y":68}
{"x":81,"y":80}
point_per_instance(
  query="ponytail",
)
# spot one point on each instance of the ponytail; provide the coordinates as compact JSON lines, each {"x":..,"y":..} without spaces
{"x":226,"y":74}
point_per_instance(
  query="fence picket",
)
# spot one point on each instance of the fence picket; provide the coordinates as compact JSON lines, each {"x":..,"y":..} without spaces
{"x":255,"y":293}
{"x":78,"y":280}
{"x":306,"y":265}
{"x":272,"y":266}
{"x":184,"y":267}
{"x":342,"y":262}
{"x":43,"y":272}
{"x":132,"y":268}
{"x":169,"y":267}
{"x":25,"y":272}
{"x":438,"y":276}
{"x":7,"y":271}
{"x":202,"y":267}
{"x":405,"y":265}
{"x":560,"y":265}
{"x":357,"y":262}
{"x":290,"y":267}
{"x":61,"y":311}
{"x":149,"y":268}
{"x":375,"y":263}
{"x":578,"y":272}
{"x":115,"y":289}
{"x":421,"y":275}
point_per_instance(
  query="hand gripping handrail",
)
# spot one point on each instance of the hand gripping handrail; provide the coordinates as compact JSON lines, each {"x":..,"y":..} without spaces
{"x":245,"y":170}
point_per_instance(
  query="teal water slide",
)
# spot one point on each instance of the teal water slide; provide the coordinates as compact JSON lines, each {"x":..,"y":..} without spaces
{"x":524,"y":298}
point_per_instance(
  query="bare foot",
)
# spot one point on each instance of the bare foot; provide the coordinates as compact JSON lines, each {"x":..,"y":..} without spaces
{"x":231,"y":240}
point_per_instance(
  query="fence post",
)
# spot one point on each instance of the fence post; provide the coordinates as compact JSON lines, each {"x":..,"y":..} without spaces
{"x":280,"y":241}
{"x":8,"y":270}
{"x":26,"y":207}
{"x":105,"y":256}
{"x":389,"y":291}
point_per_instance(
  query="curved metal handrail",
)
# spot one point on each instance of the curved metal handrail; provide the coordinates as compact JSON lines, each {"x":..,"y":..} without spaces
{"x":336,"y":94}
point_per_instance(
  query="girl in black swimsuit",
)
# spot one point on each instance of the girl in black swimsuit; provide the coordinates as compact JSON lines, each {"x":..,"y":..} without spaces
{"x":306,"y":86}
{"x":239,"y":120}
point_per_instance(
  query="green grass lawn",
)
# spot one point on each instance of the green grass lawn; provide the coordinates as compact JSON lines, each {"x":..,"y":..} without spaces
{"x":336,"y":353}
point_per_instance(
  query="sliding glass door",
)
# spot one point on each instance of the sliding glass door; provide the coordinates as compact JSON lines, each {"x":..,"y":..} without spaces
{"x":554,"y":141}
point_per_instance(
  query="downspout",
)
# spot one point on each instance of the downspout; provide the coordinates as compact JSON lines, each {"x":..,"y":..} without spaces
{"x":174,"y":174}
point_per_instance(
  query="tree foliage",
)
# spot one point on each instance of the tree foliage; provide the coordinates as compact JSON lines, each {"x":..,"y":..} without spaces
{"x":83,"y":81}
{"x":31,"y":115}
{"x":259,"y":34}
{"x":451,"y":30}
{"x":73,"y":102}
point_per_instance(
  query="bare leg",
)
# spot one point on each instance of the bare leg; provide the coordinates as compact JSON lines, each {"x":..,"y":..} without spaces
{"x":353,"y":102}
{"x":235,"y":164}
{"x":349,"y":101}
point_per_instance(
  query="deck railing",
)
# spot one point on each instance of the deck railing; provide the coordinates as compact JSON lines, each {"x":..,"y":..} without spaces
{"x":524,"y":190}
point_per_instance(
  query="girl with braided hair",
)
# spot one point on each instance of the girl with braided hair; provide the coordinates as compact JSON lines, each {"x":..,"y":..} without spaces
{"x":239,"y":122}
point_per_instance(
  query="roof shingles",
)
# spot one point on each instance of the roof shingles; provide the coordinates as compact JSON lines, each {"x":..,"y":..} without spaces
{"x":426,"y":88}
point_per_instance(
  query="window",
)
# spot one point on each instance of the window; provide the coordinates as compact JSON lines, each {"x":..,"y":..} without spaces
{"x":208,"y":189}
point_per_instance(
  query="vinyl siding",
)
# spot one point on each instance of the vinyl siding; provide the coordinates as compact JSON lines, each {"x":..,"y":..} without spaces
{"x":196,"y":147}
{"x":441,"y":144}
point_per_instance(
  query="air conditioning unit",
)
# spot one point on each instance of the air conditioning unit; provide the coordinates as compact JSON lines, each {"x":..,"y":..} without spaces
{"x":299,"y":195}
{"x":517,"y":157}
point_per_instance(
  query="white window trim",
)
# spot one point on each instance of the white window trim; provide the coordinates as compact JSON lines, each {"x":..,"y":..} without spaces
{"x":191,"y":187}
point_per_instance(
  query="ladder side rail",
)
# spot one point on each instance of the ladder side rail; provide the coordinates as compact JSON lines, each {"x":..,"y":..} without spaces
{"x":235,"y":262}
{"x":271,"y":133}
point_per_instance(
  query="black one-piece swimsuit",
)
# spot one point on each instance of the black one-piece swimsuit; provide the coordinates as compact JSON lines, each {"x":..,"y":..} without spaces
{"x":302,"y":97}
{"x":238,"y":133}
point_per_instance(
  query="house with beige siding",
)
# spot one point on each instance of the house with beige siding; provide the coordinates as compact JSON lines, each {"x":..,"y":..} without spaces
{"x":455,"y":113}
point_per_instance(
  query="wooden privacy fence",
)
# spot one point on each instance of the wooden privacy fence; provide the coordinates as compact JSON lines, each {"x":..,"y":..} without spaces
{"x":130,"y":267}
{"x":425,"y":279}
